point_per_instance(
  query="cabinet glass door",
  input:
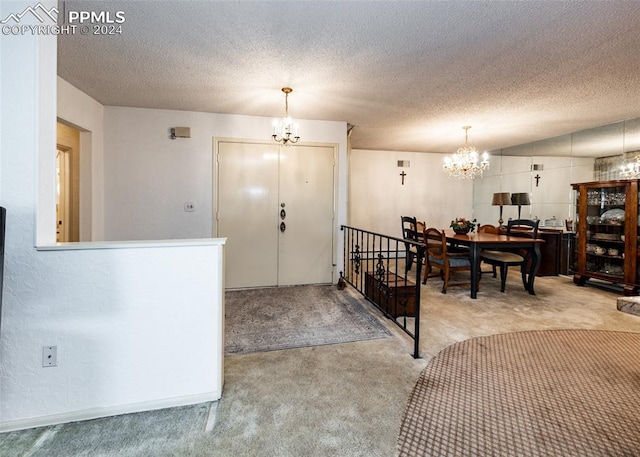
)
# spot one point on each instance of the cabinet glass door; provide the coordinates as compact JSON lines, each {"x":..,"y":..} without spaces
{"x":573,"y":237}
{"x":637,"y":232}
{"x":605,"y":219}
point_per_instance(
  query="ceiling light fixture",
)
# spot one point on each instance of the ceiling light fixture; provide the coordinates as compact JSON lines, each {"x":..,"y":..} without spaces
{"x":284,"y":130}
{"x":464,"y":163}
{"x":629,"y":170}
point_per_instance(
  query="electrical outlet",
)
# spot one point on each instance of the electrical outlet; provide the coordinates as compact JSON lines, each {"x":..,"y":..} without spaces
{"x":189,"y":206}
{"x":50,"y":356}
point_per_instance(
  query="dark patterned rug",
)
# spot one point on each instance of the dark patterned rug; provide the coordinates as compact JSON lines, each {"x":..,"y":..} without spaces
{"x":299,"y":316}
{"x":545,"y":393}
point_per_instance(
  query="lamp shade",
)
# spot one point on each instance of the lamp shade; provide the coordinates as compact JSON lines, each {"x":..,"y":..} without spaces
{"x":520,"y":199}
{"x":501,"y":198}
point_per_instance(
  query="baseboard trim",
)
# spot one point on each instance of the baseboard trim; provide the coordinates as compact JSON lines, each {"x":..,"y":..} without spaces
{"x":95,"y":413}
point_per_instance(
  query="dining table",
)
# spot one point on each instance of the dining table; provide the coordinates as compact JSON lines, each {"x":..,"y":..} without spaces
{"x":479,"y":241}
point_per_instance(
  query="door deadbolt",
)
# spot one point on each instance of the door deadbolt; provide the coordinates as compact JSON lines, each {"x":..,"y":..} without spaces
{"x":283,"y":227}
{"x":283,"y":214}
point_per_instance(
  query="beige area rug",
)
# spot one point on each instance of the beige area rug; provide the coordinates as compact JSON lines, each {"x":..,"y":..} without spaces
{"x":277,"y":318}
{"x":540,"y":393}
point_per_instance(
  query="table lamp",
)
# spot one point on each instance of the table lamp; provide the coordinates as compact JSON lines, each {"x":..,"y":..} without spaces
{"x":500,"y":199}
{"x":520,"y":199}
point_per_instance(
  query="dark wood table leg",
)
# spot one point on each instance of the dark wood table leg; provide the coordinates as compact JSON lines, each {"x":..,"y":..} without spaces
{"x":535,"y":264}
{"x":474,"y":257}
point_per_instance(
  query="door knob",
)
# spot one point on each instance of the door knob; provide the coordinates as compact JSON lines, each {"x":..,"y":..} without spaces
{"x":283,"y":227}
{"x":283,"y":214}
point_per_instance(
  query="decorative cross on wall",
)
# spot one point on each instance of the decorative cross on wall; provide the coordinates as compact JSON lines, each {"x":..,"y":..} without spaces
{"x":537,"y":178}
{"x":403,"y":174}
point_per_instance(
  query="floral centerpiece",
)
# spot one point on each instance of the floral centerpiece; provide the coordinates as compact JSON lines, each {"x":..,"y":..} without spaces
{"x":463,"y":225}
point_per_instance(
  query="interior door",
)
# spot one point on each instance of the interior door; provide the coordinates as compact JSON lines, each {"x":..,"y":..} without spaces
{"x":68,"y":183}
{"x":275,"y":207}
{"x":63,"y":203}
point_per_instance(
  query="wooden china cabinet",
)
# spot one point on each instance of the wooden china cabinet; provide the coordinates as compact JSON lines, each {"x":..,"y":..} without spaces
{"x":606,"y":242}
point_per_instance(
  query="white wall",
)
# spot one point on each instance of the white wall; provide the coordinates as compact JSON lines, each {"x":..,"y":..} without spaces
{"x":552,"y":196}
{"x":149,"y":177}
{"x":107,"y":310}
{"x":378,"y":198}
{"x":483,"y":190}
{"x":131,"y":335}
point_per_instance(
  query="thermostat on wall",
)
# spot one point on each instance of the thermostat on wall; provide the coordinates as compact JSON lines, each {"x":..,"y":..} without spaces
{"x":180,"y":132}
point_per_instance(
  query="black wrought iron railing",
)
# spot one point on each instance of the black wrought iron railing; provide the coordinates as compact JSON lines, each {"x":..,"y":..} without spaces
{"x":380,"y":268}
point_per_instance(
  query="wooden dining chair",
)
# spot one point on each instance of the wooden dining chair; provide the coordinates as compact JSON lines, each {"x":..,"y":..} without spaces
{"x":412,"y":230}
{"x":438,"y":257}
{"x":420,"y":226}
{"x":488,"y":228}
{"x":525,"y":228}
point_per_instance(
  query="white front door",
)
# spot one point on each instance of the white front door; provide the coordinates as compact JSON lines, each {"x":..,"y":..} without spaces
{"x":306,"y":191}
{"x":258,"y":185}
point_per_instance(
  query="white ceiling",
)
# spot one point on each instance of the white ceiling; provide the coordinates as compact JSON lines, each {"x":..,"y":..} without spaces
{"x":407,"y":74}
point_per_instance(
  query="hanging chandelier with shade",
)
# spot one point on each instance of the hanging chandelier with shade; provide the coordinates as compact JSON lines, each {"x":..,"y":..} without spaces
{"x":630,"y":170}
{"x":284,"y":130}
{"x":466,"y":163}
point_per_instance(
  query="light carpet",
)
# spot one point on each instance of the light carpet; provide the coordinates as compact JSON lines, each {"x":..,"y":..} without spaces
{"x":160,"y":433}
{"x":278,"y":318}
{"x":541,"y":393}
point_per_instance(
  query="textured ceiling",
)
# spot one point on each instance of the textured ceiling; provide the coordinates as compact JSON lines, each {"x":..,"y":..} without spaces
{"x":408,"y":75}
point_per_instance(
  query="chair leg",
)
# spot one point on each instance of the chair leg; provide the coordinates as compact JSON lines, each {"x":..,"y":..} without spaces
{"x":445,"y":279}
{"x":409,"y":262}
{"x":503,"y":276}
{"x":427,"y":272}
{"x":494,"y":271}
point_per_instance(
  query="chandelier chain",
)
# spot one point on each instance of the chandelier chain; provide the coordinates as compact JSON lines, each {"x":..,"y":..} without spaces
{"x":284,"y":130}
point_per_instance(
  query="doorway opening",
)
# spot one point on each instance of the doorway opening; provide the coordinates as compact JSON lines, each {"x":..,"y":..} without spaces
{"x":67,"y":184}
{"x":63,"y":173}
